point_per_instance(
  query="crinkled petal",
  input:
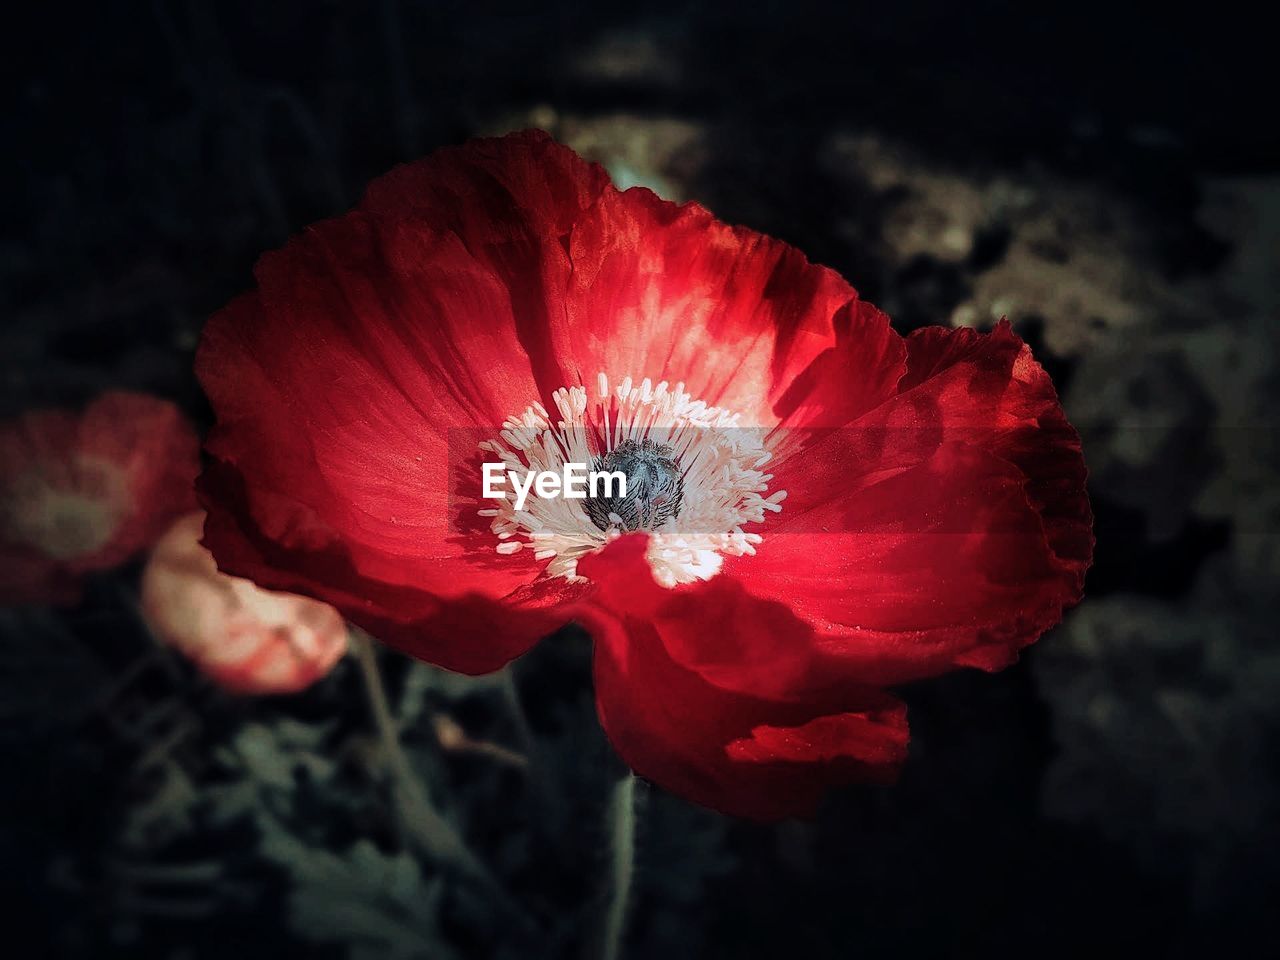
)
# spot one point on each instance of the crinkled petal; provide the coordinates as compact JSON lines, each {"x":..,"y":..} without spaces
{"x":655,"y":290}
{"x":965,"y":371}
{"x":860,"y":372}
{"x":947,"y":527}
{"x":728,"y":735}
{"x":351,"y":391}
{"x":671,"y":293}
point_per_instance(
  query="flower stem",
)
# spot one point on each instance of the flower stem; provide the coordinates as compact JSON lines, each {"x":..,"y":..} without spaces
{"x":622,"y":830}
{"x":515,"y":708}
{"x":540,"y":785}
{"x":422,"y":820}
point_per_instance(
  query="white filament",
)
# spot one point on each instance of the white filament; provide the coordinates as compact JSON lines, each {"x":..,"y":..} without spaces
{"x":720,"y":461}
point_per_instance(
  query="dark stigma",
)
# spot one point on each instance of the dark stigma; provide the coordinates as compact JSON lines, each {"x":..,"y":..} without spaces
{"x":655,"y":488}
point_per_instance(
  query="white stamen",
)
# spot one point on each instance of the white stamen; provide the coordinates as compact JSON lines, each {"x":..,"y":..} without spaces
{"x":723,"y":486}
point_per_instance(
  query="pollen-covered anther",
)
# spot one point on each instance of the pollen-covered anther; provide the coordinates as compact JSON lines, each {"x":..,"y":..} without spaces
{"x":693,"y":479}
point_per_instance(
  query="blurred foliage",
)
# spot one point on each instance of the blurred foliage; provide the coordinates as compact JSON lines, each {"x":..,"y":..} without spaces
{"x":229,"y":811}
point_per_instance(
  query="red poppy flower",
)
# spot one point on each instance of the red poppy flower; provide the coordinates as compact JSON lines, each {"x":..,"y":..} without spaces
{"x":244,"y":638}
{"x":84,"y":492}
{"x":505,"y":293}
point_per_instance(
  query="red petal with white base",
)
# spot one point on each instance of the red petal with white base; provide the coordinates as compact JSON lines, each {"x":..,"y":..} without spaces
{"x":622,"y":282}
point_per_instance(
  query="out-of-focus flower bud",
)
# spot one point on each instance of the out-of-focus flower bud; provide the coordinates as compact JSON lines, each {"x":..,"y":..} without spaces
{"x":244,"y":638}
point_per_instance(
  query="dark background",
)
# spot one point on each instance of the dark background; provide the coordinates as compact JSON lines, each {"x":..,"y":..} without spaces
{"x":1106,"y":175}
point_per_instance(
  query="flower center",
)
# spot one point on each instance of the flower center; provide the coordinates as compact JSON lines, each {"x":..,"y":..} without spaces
{"x":64,"y":520}
{"x":693,"y":479}
{"x":655,"y":487}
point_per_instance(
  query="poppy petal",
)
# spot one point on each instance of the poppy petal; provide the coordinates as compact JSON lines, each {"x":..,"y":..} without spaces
{"x":655,"y":290}
{"x":732,"y":738}
{"x":860,"y":372}
{"x":668,"y":292}
{"x":951,"y":522}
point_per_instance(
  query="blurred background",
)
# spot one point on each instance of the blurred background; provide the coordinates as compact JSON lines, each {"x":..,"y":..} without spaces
{"x":1104,"y":175}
